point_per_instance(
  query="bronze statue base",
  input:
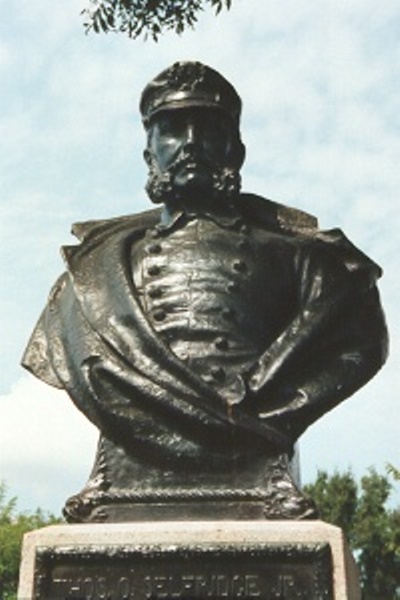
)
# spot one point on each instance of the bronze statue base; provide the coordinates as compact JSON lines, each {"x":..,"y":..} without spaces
{"x":122,"y":488}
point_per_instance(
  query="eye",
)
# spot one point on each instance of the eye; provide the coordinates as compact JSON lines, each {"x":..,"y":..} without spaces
{"x":169,"y":124}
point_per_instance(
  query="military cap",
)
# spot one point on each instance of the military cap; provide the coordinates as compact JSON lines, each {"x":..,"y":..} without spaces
{"x":187,"y":84}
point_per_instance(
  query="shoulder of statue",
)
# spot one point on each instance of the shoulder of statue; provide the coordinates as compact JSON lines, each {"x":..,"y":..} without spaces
{"x":298,"y":223}
{"x":105,"y":227}
{"x":278,"y":216}
{"x":352,"y":257}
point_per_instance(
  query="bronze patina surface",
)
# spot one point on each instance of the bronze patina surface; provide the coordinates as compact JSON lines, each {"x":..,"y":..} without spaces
{"x":203,"y":337}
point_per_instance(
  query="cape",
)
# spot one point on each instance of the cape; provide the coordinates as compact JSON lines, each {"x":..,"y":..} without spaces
{"x":94,"y":340}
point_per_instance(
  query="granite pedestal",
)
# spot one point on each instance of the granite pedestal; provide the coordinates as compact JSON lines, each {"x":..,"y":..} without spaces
{"x":189,"y":560}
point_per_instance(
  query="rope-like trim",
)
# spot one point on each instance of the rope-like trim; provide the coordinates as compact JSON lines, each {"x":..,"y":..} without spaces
{"x":180,"y":494}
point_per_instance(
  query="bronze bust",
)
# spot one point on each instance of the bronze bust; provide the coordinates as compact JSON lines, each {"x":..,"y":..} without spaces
{"x":203,"y":337}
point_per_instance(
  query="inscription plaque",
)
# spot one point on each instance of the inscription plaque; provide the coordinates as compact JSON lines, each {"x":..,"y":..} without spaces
{"x":276,"y":571}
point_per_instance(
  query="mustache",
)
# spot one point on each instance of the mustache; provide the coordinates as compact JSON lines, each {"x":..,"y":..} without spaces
{"x":188,"y":158}
{"x":160,"y":187}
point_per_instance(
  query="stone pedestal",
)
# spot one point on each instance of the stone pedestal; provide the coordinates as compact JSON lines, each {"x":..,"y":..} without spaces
{"x":189,"y":560}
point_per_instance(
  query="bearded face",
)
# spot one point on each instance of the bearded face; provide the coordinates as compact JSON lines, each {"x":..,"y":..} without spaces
{"x":193,"y":154}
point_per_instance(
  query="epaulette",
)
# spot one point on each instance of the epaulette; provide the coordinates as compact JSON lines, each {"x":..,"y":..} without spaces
{"x":95,"y":228}
{"x":278,"y":216}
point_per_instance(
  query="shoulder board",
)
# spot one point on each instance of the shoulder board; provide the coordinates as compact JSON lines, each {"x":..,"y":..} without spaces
{"x":89,"y":229}
{"x":278,"y":216}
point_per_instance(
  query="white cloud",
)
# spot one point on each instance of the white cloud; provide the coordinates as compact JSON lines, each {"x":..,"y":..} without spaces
{"x":360,"y":433}
{"x":46,"y":445}
{"x":5,"y":56}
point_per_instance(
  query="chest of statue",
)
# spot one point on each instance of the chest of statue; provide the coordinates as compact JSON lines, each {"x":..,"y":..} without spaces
{"x":217,"y":295}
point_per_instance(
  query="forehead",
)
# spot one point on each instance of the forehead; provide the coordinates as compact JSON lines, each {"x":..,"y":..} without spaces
{"x":200,"y":116}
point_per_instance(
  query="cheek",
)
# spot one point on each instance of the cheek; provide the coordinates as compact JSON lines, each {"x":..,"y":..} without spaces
{"x":218,"y":153}
{"x":164,"y":151}
{"x":217,"y":149}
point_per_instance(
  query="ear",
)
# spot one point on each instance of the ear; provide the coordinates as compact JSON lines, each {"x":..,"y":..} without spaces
{"x":147,"y":156}
{"x":241,"y":154}
{"x":238,"y":154}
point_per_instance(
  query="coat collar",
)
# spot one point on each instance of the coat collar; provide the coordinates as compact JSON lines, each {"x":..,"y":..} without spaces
{"x":226,"y":216}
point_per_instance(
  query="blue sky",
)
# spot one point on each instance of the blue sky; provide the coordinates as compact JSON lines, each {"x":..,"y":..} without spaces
{"x":319,"y":81}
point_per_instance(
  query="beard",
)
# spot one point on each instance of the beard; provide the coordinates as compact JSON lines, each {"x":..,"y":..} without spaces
{"x":223,"y":183}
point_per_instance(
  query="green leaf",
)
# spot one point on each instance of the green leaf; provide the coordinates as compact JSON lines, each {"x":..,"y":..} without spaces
{"x":138,"y":17}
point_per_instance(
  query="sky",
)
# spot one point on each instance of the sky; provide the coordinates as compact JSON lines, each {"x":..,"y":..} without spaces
{"x":319,"y":80}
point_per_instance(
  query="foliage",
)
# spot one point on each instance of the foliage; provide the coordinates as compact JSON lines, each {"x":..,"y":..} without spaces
{"x":372,"y":528}
{"x":146,"y":17}
{"x":13,"y":526}
{"x":395,"y":473}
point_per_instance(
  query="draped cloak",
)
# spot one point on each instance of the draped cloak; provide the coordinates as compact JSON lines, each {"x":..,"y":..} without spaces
{"x":94,"y":340}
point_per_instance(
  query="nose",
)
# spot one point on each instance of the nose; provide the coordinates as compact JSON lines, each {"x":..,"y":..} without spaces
{"x":190,"y":136}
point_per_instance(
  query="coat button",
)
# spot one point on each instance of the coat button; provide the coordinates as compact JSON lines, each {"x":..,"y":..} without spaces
{"x":239,"y":266}
{"x":221,"y":343}
{"x":154,"y":248}
{"x":159,"y":314}
{"x":154,"y":270}
{"x":155,"y":292}
{"x":181,"y":353}
{"x":233,"y":286}
{"x":218,"y":373}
